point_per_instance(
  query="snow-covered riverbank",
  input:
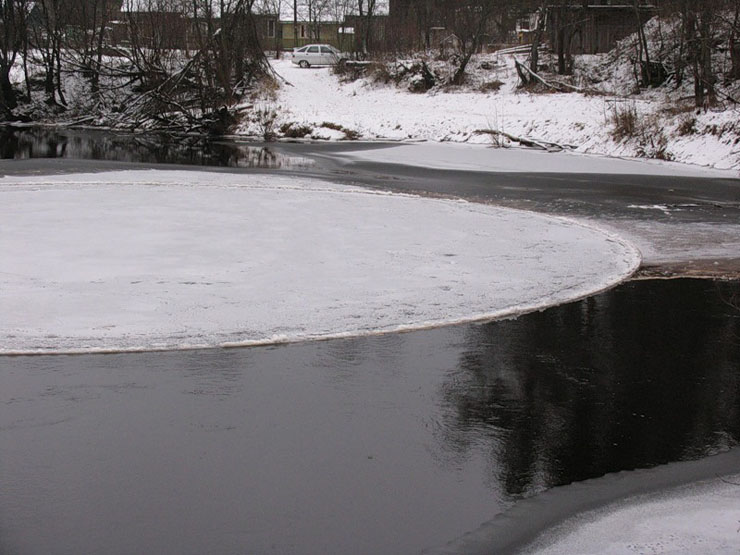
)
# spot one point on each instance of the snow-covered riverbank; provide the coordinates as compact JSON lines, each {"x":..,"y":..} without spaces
{"x":316,"y":99}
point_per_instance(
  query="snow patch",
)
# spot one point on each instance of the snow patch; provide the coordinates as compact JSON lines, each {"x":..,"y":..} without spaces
{"x":703,"y":517}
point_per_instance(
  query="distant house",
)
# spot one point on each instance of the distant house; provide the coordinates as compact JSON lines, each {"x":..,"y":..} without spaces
{"x":175,"y":29}
{"x":424,"y":24}
{"x":300,"y":33}
{"x":368,"y":33}
{"x":269,"y":31}
{"x":593,"y":27}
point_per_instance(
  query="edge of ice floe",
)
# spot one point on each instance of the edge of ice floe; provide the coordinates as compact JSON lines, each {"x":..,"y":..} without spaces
{"x":632,"y":258}
{"x":481,"y":317}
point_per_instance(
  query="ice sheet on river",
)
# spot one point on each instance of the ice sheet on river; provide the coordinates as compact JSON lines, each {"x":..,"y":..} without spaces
{"x":178,"y":259}
{"x":473,"y":157}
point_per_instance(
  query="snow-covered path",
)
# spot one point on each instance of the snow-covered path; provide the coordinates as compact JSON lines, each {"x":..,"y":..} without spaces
{"x":155,"y":260}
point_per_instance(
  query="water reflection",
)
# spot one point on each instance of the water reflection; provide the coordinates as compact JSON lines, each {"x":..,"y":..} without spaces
{"x":643,"y":375}
{"x":385,"y":444}
{"x":150,"y":148}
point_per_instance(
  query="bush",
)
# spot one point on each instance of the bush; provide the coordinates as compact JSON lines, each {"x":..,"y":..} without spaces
{"x":625,"y":122}
{"x":349,"y":134}
{"x":351,"y":71}
{"x":265,"y":118}
{"x":645,"y":131}
{"x":491,"y":86}
{"x":687,"y":126}
{"x":293,"y":130}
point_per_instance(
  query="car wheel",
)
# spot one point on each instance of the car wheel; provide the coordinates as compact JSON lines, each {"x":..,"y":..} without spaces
{"x":303,"y":63}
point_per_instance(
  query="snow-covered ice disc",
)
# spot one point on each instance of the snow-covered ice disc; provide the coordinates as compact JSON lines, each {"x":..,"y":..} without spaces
{"x":145,"y":260}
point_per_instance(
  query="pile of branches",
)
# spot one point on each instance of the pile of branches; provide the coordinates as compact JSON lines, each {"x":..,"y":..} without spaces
{"x":197,"y":90}
{"x":167,"y":65}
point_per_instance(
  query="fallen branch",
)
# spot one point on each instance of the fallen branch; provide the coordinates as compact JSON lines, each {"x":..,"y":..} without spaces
{"x":524,"y":71}
{"x":532,"y":143}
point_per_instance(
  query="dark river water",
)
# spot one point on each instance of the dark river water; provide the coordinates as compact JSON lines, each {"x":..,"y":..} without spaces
{"x":34,"y":142}
{"x":386,"y":444}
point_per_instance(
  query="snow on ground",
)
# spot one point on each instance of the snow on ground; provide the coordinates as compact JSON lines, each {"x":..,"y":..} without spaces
{"x":700,"y":518}
{"x":167,"y":259}
{"x":314,"y":96}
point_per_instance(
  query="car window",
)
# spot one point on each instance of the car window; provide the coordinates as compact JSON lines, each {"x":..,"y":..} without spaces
{"x":326,"y":50}
{"x":302,"y":49}
{"x":313,"y":49}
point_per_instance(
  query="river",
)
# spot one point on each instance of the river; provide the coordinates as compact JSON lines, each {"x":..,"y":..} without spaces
{"x":384,"y":444}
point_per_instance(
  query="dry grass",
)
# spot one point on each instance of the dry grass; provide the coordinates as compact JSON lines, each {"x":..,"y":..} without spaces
{"x":625,"y":121}
{"x":491,"y":86}
{"x":294,"y":130}
{"x":645,"y":130}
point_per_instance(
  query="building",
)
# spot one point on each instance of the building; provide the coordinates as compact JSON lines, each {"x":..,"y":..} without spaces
{"x":300,"y":33}
{"x":593,"y":27}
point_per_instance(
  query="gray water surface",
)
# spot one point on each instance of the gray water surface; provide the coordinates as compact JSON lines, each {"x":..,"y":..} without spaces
{"x":387,"y":444}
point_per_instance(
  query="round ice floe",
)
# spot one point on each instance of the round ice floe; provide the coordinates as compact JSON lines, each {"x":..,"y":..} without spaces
{"x":157,"y":260}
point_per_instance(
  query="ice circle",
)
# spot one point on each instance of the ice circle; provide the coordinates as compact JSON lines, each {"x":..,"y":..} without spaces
{"x":147,"y":260}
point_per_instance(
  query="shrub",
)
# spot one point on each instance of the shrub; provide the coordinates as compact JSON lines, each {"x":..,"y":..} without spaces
{"x":265,"y":118}
{"x":334,"y":126}
{"x":293,"y":130}
{"x":687,"y":126}
{"x":625,"y":122}
{"x":349,"y":134}
{"x":645,"y":131}
{"x":491,"y":86}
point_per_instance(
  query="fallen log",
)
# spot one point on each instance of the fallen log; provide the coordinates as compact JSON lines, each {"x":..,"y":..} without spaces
{"x":532,"y":143}
{"x":526,"y":75}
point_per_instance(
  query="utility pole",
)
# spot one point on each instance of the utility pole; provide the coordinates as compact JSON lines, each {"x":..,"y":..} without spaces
{"x":295,"y":23}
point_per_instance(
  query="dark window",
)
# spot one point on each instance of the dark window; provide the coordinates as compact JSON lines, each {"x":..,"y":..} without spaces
{"x":271,"y":28}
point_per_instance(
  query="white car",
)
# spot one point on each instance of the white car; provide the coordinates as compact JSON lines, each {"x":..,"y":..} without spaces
{"x":318,"y":55}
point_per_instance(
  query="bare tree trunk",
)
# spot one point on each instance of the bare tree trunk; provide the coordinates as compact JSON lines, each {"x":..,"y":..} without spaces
{"x":8,"y":100}
{"x":647,"y":72}
{"x":58,"y":74}
{"x":705,"y":51}
{"x":561,"y":50}
{"x":534,"y":58}
{"x":295,"y":23}
{"x":735,"y":45}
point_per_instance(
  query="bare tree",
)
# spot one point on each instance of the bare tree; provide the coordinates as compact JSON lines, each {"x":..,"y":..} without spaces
{"x":85,"y":38}
{"x":734,"y":42}
{"x":366,"y":9}
{"x":13,"y":40}
{"x":47,"y":38}
{"x":470,"y":22}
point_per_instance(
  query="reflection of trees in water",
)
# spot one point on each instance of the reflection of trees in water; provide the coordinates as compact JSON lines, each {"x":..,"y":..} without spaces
{"x":149,"y":148}
{"x":33,"y":143}
{"x":643,"y":375}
